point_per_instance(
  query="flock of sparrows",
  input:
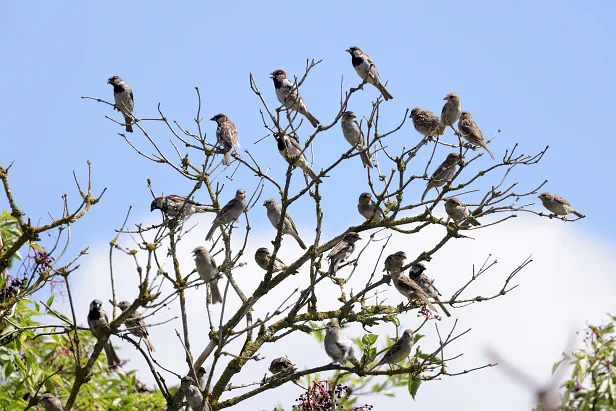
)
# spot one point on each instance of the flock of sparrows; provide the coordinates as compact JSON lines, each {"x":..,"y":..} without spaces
{"x":415,"y":286}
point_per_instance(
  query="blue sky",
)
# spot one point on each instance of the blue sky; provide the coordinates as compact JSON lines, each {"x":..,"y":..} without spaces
{"x":542,"y":72}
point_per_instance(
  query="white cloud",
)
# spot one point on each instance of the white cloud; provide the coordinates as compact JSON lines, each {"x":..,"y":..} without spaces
{"x":567,"y":284}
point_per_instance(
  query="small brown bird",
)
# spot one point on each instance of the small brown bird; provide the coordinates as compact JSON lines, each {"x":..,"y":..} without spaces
{"x":174,"y":206}
{"x":426,"y":122}
{"x":288,"y":95}
{"x":226,"y":133}
{"x":368,"y":209}
{"x":558,"y":205}
{"x":282,"y":365}
{"x":229,"y":213}
{"x":99,"y":325}
{"x":471,"y":133}
{"x":274,"y":213}
{"x":341,"y":252}
{"x":399,"y":350}
{"x":457,"y":210}
{"x":263,"y":258}
{"x":338,"y":346}
{"x":443,"y":174}
{"x":291,"y":151}
{"x":353,"y":134}
{"x":124,"y":100}
{"x":208,"y":271}
{"x":136,"y":326}
{"x":366,"y":69}
{"x":394,"y":264}
{"x":417,"y":274}
{"x":451,"y":110}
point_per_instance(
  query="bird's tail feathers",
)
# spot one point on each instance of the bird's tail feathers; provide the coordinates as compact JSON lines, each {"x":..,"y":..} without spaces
{"x":216,"y":296}
{"x":365,"y":159}
{"x":386,"y":94}
{"x":315,"y":123}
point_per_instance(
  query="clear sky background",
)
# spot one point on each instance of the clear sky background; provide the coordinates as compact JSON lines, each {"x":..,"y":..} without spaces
{"x":542,"y":72}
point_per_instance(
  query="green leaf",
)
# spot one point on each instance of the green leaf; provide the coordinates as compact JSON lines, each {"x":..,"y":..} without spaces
{"x":9,"y":369}
{"x":417,"y":337}
{"x":369,"y":339}
{"x":413,"y":386}
{"x":50,"y":300}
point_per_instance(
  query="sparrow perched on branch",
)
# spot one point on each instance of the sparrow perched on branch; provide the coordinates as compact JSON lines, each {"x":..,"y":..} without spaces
{"x":229,"y":213}
{"x":417,"y":274}
{"x":124,"y":100}
{"x":194,"y":398}
{"x":136,"y":326}
{"x":226,"y":134}
{"x":443,"y":174}
{"x":394,"y":264}
{"x":426,"y":122}
{"x":341,"y":252}
{"x":457,"y":210}
{"x":366,"y":69}
{"x":337,"y":345}
{"x":50,"y":403}
{"x":451,"y":110}
{"x":288,"y":95}
{"x":201,"y":373}
{"x":274,"y":213}
{"x":353,"y":134}
{"x":282,"y":365}
{"x":263,"y":257}
{"x":208,"y":271}
{"x":558,"y":205}
{"x":98,"y":323}
{"x":471,"y":133}
{"x":368,"y":209}
{"x":399,"y":350}
{"x":291,"y":151}
{"x":174,"y":206}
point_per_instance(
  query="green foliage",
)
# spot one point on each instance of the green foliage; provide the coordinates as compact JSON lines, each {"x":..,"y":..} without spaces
{"x":592,"y":385}
{"x":34,"y":356}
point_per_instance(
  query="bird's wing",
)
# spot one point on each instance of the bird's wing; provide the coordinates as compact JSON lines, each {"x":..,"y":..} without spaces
{"x":561,"y":200}
{"x":288,"y":216}
{"x":228,"y":206}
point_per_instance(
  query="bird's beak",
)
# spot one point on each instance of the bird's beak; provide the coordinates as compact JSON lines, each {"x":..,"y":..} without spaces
{"x":348,"y":50}
{"x":212,"y":119}
{"x":271,"y":75}
{"x":445,"y":98}
{"x":264,"y":203}
{"x":109,"y":81}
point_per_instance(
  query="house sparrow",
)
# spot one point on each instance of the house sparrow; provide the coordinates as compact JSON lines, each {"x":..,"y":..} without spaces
{"x":136,"y":326}
{"x":557,"y":205}
{"x":457,"y":210}
{"x":399,"y":350}
{"x":341,"y":252}
{"x":394,"y":262}
{"x":426,"y":122}
{"x":174,"y":206}
{"x":50,"y":403}
{"x":208,"y":271}
{"x":124,"y":100}
{"x":194,"y":398}
{"x":417,"y":274}
{"x":201,"y":377}
{"x":366,"y":69}
{"x":471,"y":133}
{"x":291,"y":151}
{"x":338,"y":346}
{"x":451,"y":110}
{"x":368,"y":209}
{"x":226,"y":134}
{"x":274,"y":213}
{"x":443,"y":174}
{"x":229,"y":213}
{"x":288,"y":95}
{"x":410,"y":289}
{"x":98,"y":321}
{"x":263,"y":258}
{"x":353,"y":134}
{"x":282,"y":365}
